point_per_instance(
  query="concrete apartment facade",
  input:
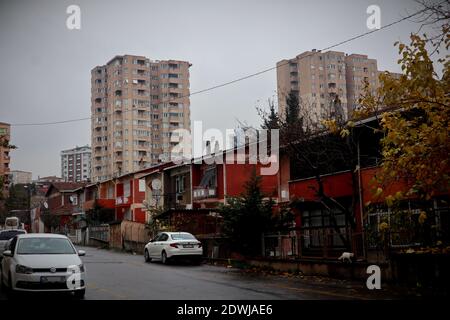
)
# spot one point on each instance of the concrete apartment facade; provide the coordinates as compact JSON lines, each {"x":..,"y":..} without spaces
{"x":319,"y":77}
{"x":136,"y":104}
{"x":20,"y":177}
{"x":5,"y":137}
{"x":76,"y":164}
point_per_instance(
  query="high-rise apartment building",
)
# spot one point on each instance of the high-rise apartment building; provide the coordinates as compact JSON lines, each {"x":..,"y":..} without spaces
{"x":137,"y":103}
{"x":20,"y":177}
{"x":318,"y":78}
{"x":5,"y":136}
{"x":76,"y":164}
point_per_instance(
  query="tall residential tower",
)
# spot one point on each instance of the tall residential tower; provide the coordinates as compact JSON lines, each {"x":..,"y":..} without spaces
{"x":76,"y":164}
{"x":5,"y":137}
{"x":136,"y":104}
{"x":319,"y":77}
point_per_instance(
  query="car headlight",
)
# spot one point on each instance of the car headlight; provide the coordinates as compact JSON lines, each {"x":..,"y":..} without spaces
{"x":75,"y":268}
{"x":23,"y":269}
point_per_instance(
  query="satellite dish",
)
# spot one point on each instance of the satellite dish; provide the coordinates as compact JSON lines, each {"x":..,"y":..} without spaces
{"x":45,"y":205}
{"x":156,"y":184}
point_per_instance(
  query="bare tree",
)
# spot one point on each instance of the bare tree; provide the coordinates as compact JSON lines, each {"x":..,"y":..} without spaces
{"x":315,"y":151}
{"x":434,"y":17}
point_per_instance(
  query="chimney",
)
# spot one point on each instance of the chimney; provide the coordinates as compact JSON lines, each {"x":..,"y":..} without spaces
{"x":208,"y":147}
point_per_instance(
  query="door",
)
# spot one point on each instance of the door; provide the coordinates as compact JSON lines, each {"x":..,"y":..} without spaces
{"x":160,"y":243}
{"x":153,"y":246}
{"x":7,"y":261}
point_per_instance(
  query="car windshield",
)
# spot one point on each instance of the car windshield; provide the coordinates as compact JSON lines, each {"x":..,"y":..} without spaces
{"x":44,"y":246}
{"x":183,"y":236}
{"x":6,"y":235}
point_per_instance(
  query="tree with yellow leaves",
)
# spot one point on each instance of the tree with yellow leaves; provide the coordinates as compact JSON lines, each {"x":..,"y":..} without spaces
{"x":414,"y":110}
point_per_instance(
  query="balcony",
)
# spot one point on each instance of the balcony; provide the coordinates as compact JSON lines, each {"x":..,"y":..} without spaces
{"x":201,"y":193}
{"x":123,"y":201}
{"x":104,"y":203}
{"x":142,"y":73}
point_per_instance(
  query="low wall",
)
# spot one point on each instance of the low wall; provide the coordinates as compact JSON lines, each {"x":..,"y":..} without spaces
{"x":129,"y":236}
{"x":115,"y":236}
{"x":428,"y":271}
{"x":328,"y":268}
{"x":313,"y":267}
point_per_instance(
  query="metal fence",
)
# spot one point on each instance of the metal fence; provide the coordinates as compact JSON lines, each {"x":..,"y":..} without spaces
{"x":314,"y":243}
{"x":100,"y":233}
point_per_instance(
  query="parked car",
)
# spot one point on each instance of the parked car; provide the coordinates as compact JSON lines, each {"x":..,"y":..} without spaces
{"x":5,"y":236}
{"x":170,"y":245}
{"x":42,"y":262}
{"x":12,"y":223}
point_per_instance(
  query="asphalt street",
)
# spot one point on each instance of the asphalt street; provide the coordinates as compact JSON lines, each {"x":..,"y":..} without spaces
{"x":116,"y":275}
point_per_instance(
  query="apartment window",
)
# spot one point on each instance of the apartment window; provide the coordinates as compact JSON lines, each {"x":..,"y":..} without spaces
{"x":126,"y":189}
{"x":180,"y":184}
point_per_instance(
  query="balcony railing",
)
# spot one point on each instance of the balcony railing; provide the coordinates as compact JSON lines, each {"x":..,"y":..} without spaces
{"x":204,"y":193}
{"x":122,"y":200}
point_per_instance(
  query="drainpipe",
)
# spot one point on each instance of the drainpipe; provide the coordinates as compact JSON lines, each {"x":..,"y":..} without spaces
{"x":191,"y":186}
{"x":224,"y":183}
{"x":361,"y":206}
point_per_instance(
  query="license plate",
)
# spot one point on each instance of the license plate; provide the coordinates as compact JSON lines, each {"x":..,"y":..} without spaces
{"x":53,"y":279}
{"x":188,"y":246}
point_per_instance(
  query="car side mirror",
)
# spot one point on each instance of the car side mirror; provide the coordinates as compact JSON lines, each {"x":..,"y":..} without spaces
{"x":81,"y":253}
{"x":7,"y":253}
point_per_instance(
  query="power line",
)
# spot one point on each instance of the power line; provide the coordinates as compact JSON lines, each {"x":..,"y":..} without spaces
{"x":241,"y":78}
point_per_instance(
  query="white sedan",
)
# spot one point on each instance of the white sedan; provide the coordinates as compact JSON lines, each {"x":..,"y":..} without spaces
{"x":169,"y":245}
{"x":43,"y":262}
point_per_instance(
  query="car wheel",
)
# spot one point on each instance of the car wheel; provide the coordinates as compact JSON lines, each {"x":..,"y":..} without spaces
{"x":147,"y":256}
{"x":164,"y":258}
{"x":9,"y":290}
{"x":2,"y":284}
{"x":79,"y":294}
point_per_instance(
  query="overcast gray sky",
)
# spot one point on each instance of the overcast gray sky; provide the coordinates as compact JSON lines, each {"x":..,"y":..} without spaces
{"x":45,"y":68}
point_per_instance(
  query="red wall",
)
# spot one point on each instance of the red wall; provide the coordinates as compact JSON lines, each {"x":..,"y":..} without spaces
{"x":138,"y":196}
{"x":119,"y":189}
{"x":338,"y":185}
{"x":139,"y":215}
{"x":238,"y":174}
